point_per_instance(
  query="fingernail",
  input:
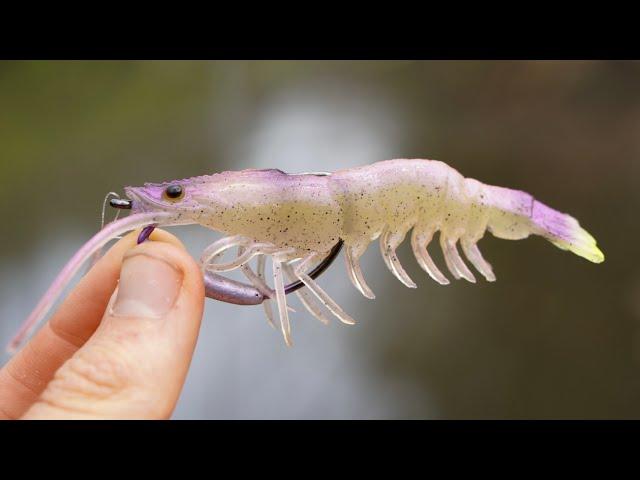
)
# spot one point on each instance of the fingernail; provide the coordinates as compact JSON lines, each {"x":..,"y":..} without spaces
{"x":148,"y":287}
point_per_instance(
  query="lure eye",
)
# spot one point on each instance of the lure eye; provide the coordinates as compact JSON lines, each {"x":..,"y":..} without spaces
{"x":174,"y":192}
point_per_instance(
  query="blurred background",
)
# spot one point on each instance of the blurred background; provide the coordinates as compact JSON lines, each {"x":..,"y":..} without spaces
{"x":554,"y":337}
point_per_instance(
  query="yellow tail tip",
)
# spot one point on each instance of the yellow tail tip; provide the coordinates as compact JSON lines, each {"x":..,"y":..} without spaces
{"x":582,"y":244}
{"x":564,"y":232}
{"x":593,"y":253}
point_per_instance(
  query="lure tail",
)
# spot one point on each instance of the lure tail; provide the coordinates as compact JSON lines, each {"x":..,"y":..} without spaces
{"x":564,"y":232}
{"x":515,"y":215}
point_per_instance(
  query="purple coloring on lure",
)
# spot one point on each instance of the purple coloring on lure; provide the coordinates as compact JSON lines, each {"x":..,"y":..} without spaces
{"x":145,"y":233}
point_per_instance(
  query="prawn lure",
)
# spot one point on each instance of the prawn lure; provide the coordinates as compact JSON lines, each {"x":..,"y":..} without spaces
{"x":302,"y":220}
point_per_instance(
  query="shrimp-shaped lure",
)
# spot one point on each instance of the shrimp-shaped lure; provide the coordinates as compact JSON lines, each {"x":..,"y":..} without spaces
{"x":299,"y":219}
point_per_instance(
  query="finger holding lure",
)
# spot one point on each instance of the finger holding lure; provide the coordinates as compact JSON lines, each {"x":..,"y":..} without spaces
{"x":300,"y":219}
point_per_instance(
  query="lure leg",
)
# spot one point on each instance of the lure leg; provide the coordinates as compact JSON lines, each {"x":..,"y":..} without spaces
{"x":251,"y":251}
{"x":258,"y":281}
{"x":389,"y":241}
{"x":454,"y":262}
{"x":419,"y":242}
{"x":281,"y":300}
{"x":268,"y":310}
{"x":219,"y":247}
{"x":472,"y":252}
{"x":305,"y":297}
{"x":324,"y":298}
{"x":352,"y":260}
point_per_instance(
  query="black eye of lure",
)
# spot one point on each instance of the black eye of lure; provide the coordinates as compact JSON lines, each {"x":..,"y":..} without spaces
{"x":174,"y":192}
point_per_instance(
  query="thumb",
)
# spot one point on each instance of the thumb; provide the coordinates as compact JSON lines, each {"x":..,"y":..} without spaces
{"x":136,"y":362}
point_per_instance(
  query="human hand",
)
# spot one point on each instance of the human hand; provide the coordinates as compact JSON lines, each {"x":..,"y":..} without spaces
{"x":107,"y":354}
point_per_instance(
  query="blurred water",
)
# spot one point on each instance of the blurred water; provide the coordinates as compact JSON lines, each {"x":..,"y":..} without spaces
{"x":555,"y":336}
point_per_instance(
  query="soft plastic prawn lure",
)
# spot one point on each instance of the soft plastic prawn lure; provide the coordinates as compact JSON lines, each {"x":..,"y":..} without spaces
{"x":300,"y":219}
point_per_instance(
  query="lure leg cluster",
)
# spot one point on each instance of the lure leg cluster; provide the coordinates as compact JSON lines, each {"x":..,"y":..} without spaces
{"x":420,"y":240}
{"x":325,"y":299}
{"x":284,"y":265}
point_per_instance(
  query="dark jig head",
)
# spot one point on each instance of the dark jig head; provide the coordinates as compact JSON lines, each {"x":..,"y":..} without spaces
{"x":121,"y":203}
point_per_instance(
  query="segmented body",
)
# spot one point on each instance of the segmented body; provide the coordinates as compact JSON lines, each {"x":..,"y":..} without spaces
{"x":299,"y":217}
{"x":296,"y":219}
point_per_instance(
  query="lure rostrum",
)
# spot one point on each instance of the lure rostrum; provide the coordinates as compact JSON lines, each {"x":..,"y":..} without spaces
{"x":300,"y":220}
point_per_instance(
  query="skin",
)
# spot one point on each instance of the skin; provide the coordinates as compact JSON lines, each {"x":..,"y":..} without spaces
{"x":89,"y":362}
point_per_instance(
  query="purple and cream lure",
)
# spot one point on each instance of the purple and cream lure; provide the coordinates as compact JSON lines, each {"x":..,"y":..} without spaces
{"x":296,"y":219}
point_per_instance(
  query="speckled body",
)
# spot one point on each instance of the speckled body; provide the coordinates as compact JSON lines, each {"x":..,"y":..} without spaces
{"x":308,"y":213}
{"x":399,"y":194}
{"x":288,"y":211}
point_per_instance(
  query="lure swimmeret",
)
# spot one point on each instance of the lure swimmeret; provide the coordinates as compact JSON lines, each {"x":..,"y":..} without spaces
{"x":297,"y":219}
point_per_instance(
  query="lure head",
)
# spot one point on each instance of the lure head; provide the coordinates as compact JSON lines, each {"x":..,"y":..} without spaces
{"x":209,"y":200}
{"x":245,"y":202}
{"x":178,"y":198}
